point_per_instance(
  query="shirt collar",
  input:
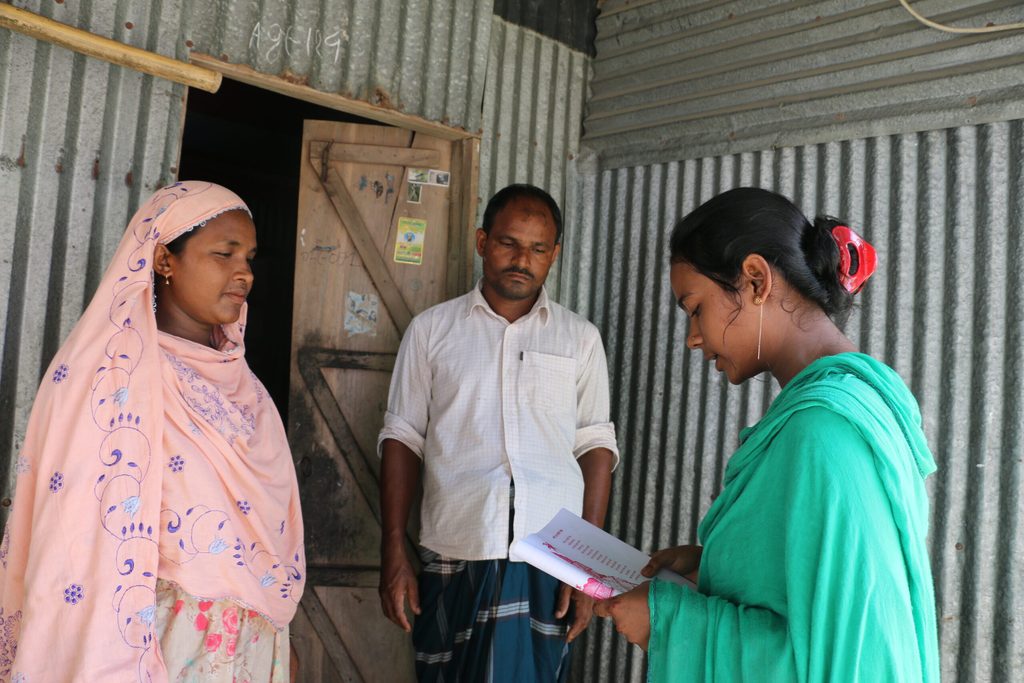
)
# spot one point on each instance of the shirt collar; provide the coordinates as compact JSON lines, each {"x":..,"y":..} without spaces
{"x":541,"y":307}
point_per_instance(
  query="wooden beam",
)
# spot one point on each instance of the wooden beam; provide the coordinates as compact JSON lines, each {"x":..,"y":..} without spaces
{"x":455,"y":267}
{"x":328,"y":633}
{"x":310,"y":361}
{"x":377,"y":154}
{"x":363,"y":241}
{"x":471,"y":184}
{"x":343,"y":577}
{"x":115,"y":52}
{"x":247,"y":74}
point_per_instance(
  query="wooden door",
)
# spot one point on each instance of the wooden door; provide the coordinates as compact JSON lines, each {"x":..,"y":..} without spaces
{"x":369,"y":256}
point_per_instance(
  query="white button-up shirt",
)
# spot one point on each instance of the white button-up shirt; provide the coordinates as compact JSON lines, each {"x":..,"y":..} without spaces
{"x":482,"y":402}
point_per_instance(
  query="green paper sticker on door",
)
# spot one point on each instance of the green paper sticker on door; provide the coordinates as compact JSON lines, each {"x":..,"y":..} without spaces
{"x":409,"y":240}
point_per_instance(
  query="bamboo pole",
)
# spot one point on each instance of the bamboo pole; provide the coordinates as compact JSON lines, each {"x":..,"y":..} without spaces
{"x":108,"y":50}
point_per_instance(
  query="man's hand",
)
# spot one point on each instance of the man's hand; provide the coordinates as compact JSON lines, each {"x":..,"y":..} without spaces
{"x":398,"y":584}
{"x":683,"y":560}
{"x":582,"y":611}
{"x":631,"y":614}
{"x":596,"y":466}
{"x":399,"y":481}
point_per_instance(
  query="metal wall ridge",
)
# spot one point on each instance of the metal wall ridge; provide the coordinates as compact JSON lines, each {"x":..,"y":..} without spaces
{"x":668,"y":29}
{"x":867,"y":27}
{"x":672,"y":114}
{"x":570,"y":22}
{"x":610,"y":8}
{"x":902,"y":45}
{"x":823,"y":67}
{"x":726,"y":85}
{"x":533,"y":105}
{"x":944,"y":208}
{"x":420,"y":57}
{"x":80,"y":142}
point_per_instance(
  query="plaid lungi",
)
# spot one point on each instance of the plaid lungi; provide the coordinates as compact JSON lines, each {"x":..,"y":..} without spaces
{"x":488,"y":621}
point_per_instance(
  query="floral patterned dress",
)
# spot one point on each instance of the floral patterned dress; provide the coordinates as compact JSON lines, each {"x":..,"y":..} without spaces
{"x":150,"y":457}
{"x":217,"y":641}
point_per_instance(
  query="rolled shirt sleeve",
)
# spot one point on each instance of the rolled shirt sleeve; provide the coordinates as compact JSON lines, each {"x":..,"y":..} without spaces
{"x":594,"y":428}
{"x":485,"y":402}
{"x":409,"y":394}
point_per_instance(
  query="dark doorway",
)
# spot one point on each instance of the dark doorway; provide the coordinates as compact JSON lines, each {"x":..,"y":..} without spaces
{"x":248,"y":139}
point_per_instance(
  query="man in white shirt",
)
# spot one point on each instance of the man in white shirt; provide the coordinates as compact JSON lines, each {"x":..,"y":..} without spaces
{"x":499,"y":406}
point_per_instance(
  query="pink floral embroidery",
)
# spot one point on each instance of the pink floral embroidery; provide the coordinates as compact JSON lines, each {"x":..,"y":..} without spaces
{"x":253,"y":614}
{"x":232,"y":644}
{"x":201,"y":622}
{"x":213,"y":642}
{"x":230,"y":620}
{"x":205,"y":605}
{"x":177,"y":606}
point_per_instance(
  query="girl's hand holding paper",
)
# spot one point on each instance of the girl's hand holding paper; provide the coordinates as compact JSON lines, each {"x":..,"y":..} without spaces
{"x":631,"y":614}
{"x":683,"y":560}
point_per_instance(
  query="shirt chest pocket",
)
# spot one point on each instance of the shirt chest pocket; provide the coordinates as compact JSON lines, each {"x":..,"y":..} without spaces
{"x":549,"y":383}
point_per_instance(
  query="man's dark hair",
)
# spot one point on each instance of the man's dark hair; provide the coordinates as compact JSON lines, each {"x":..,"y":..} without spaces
{"x":519,"y":191}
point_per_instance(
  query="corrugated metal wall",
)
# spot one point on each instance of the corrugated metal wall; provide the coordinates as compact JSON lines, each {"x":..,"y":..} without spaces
{"x":532,"y":109}
{"x":422,"y":57}
{"x":80,"y":143}
{"x":946,"y":309}
{"x":570,"y":22}
{"x":677,"y":79}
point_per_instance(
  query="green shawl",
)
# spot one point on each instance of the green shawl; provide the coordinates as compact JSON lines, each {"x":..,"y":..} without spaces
{"x":815,"y":566}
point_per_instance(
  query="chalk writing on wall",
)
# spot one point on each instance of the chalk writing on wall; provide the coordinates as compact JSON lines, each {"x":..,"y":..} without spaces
{"x":269,"y":41}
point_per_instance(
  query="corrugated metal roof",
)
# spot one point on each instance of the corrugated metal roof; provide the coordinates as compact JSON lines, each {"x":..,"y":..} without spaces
{"x":944,"y":209}
{"x":681,"y":79}
{"x":531,"y":118}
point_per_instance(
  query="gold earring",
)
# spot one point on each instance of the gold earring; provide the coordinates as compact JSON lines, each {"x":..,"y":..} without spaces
{"x":758,"y":300}
{"x":167,"y":280}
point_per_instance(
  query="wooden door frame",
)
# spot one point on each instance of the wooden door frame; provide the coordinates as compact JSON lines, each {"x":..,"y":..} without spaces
{"x":465,"y":159}
{"x":464,"y":171}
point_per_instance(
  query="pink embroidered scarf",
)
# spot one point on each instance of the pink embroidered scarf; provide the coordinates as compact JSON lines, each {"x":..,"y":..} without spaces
{"x":146,"y":456}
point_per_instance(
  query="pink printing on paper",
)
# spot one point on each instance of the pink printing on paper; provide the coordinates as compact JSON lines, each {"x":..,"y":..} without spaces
{"x":596,"y":589}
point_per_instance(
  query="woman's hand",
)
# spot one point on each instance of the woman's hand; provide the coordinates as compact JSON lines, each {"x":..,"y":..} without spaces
{"x":683,"y":560}
{"x":631,"y":614}
{"x":583,"y":608}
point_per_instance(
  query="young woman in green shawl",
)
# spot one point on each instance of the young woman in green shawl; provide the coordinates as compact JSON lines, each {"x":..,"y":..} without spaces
{"x":813,"y":564}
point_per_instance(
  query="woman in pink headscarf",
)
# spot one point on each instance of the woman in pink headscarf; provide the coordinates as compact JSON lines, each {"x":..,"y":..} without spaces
{"x":156,"y":533}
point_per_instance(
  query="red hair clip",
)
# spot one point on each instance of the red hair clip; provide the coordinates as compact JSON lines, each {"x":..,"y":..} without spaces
{"x":857,"y":258}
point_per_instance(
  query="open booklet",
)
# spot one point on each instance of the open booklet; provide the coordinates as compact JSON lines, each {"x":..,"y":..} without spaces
{"x":576,"y":552}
